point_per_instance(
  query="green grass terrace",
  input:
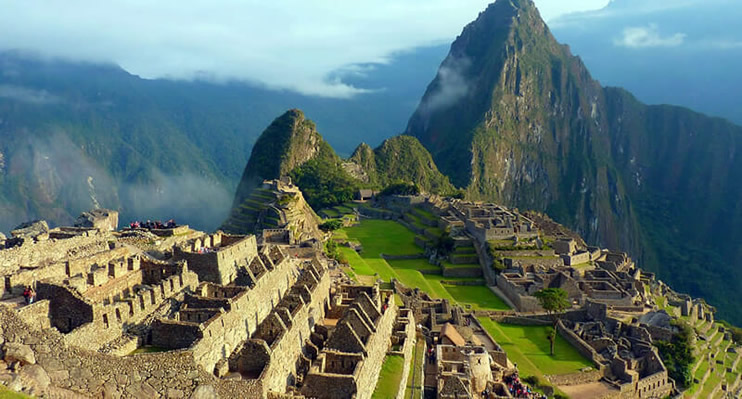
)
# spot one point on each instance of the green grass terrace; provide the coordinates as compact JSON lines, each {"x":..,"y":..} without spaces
{"x":391,"y":238}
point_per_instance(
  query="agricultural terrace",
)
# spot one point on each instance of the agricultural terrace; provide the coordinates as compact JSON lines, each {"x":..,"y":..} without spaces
{"x":391,"y":238}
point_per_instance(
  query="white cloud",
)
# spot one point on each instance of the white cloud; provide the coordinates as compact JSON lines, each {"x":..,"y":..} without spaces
{"x":24,"y":94}
{"x":648,"y":36}
{"x":287,"y":44}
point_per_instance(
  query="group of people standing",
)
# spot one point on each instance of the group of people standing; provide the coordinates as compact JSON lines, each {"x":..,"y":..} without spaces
{"x":170,"y":224}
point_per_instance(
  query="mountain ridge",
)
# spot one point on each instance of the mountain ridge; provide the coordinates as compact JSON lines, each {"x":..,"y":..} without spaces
{"x":532,"y":129}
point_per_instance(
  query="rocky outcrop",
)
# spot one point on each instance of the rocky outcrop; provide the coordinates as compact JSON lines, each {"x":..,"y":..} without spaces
{"x":31,"y":229}
{"x":517,"y":119}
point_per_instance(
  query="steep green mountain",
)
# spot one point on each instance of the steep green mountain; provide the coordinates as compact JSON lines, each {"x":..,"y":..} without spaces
{"x":515,"y":118}
{"x":292,"y":148}
{"x":400,"y":158}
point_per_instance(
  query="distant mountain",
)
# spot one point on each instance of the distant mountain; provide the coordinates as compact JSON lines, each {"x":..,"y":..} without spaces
{"x":515,"y":118}
{"x":684,"y":53}
{"x":74,"y":136}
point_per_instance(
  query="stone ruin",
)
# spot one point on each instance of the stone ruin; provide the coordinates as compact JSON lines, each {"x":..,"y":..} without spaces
{"x":229,"y":315}
{"x":623,"y":352}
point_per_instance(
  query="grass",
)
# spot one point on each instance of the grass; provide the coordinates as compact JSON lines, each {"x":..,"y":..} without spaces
{"x":389,"y":237}
{"x":528,"y":347}
{"x":415,"y":378}
{"x":389,"y":378}
{"x":6,"y":393}
{"x":477,"y":296}
{"x":449,"y":265}
{"x":148,"y":349}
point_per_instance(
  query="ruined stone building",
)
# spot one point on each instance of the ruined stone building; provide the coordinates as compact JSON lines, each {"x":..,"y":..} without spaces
{"x":356,"y":345}
{"x":248,"y":311}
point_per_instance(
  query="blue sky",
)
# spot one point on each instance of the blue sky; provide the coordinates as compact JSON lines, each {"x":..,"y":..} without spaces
{"x":288,"y":44}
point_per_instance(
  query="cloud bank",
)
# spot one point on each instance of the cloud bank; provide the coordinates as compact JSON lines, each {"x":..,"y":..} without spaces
{"x":291,"y":44}
{"x":648,"y":36}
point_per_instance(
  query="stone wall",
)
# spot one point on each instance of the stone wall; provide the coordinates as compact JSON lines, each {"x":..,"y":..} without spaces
{"x":577,"y":378}
{"x":282,"y":355}
{"x":77,"y":372}
{"x":581,"y":346}
{"x":325,"y":382}
{"x":222,"y":263}
{"x":462,"y":271}
{"x":36,"y":314}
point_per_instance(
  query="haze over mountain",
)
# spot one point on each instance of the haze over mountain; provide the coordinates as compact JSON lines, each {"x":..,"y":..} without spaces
{"x":665,"y":52}
{"x":77,"y":135}
{"x":515,"y":118}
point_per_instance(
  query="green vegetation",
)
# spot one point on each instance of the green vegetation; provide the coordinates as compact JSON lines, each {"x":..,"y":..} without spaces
{"x":401,"y":188}
{"x":415,"y":378}
{"x":6,"y":393}
{"x":401,"y":159}
{"x":148,"y":349}
{"x":323,"y":181}
{"x":392,"y":238}
{"x":678,"y":354}
{"x":389,"y":378}
{"x":554,"y":301}
{"x":331,"y":225}
{"x":528,"y":347}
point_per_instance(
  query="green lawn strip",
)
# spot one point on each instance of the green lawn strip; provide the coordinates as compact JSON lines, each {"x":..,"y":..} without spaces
{"x":413,"y":264}
{"x":383,"y":236}
{"x":388,"y":237}
{"x":464,"y":250}
{"x":480,"y":297}
{"x":528,"y":347}
{"x":389,"y":377}
{"x":330,"y":213}
{"x":449,"y":265}
{"x":710,"y":384}
{"x":415,"y":377}
{"x":419,"y":212}
{"x":344,"y":210}
{"x":357,"y":263}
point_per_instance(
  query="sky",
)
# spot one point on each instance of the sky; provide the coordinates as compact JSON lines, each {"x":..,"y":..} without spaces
{"x":287,"y":44}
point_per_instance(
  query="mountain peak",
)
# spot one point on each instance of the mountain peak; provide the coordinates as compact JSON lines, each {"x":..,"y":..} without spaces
{"x":289,"y":141}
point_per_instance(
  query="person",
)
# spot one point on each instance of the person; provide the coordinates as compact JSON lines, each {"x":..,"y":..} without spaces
{"x":29,"y":295}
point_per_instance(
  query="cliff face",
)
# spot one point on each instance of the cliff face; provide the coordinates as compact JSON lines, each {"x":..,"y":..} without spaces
{"x":515,"y":118}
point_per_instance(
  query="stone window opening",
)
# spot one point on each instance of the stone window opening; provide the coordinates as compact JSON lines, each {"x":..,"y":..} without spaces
{"x":105,"y":321}
{"x":118,"y":315}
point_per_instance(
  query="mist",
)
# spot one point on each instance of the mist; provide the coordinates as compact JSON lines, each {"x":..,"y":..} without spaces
{"x":60,"y":180}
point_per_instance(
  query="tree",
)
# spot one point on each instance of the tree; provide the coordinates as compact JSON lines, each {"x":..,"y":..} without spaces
{"x":554,"y":301}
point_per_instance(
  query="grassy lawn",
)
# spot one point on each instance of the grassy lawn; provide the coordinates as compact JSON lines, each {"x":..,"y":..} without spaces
{"x":478,"y":296}
{"x":528,"y":347}
{"x":449,"y":265}
{"x":389,"y":237}
{"x":389,"y":378}
{"x":415,"y":379}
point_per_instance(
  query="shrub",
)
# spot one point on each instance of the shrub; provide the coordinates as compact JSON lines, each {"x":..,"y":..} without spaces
{"x":401,"y":188}
{"x":331,"y":225}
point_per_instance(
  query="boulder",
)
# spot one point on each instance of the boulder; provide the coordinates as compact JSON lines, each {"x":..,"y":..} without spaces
{"x":204,"y":392}
{"x":35,"y":376}
{"x":101,"y":219}
{"x":31,"y":229}
{"x":15,"y":352}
